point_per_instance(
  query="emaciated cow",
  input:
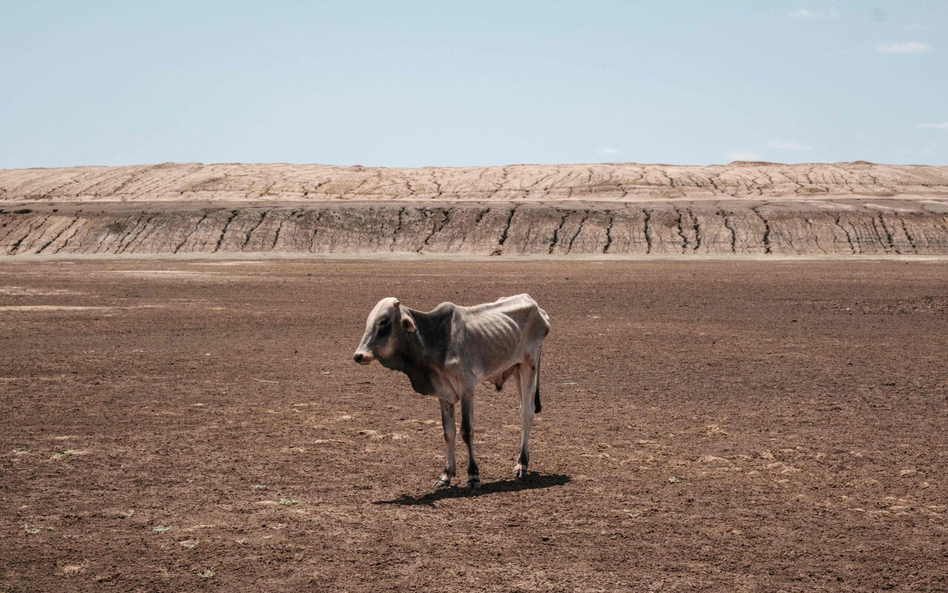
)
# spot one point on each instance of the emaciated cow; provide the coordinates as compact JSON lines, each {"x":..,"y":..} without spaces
{"x":446,"y":352}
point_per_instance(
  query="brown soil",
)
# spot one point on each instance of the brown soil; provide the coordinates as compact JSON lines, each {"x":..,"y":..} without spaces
{"x":723,"y":426}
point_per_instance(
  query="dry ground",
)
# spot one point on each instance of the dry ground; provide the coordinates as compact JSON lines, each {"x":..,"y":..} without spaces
{"x":725,"y":426}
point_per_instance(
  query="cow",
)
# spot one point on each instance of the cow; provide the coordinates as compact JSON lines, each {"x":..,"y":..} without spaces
{"x":447,"y":351}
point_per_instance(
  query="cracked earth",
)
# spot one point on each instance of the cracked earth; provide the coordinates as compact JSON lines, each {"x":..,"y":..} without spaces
{"x":608,"y":210}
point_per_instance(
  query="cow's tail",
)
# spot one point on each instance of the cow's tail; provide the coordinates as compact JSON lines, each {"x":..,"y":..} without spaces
{"x":536,"y":398}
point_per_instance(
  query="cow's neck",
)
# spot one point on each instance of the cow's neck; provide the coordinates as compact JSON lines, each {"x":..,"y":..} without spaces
{"x":421,"y":353}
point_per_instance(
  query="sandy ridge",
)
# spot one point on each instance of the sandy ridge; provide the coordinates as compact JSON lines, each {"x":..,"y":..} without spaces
{"x":842,"y":209}
{"x":514,"y":183}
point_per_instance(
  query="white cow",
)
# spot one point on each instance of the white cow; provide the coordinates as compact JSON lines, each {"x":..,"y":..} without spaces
{"x":446,"y":352}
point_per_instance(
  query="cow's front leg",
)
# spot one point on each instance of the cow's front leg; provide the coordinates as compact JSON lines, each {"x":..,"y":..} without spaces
{"x":467,"y":433}
{"x":447,"y":422}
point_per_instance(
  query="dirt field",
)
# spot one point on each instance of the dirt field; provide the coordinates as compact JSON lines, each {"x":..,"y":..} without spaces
{"x":721,"y":426}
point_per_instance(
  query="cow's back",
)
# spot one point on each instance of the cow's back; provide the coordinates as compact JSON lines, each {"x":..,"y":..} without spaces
{"x":493,"y":336}
{"x":527,"y":317}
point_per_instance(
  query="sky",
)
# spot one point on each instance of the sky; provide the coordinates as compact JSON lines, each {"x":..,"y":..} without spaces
{"x":414,"y":84}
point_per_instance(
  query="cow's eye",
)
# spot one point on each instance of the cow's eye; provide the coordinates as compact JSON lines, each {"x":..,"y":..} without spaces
{"x":383,"y":321}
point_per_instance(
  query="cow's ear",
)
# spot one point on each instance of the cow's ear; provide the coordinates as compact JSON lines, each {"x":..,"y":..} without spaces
{"x":408,"y":324}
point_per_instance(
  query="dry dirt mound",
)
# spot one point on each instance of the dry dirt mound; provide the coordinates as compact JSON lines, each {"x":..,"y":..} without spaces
{"x":746,"y":227}
{"x":610,"y":182}
{"x":743,"y":208}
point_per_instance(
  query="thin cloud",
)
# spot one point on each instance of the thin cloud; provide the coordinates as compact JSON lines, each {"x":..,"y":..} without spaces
{"x":942,"y":126}
{"x":909,"y":47}
{"x":743,"y":156}
{"x":803,"y":13}
{"x":788,"y":145}
{"x":608,"y":151}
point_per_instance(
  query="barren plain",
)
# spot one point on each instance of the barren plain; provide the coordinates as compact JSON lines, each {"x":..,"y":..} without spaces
{"x":181,"y":425}
{"x":744,"y":388}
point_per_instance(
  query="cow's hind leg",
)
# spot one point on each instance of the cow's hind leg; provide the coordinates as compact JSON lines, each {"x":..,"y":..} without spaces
{"x":447,"y":422}
{"x":467,"y":433}
{"x":528,"y":385}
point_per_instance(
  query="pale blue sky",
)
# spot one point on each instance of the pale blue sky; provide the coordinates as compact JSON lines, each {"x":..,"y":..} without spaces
{"x":481,"y":83}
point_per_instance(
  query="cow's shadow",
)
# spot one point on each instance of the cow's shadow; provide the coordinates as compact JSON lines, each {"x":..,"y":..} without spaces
{"x":531,"y":482}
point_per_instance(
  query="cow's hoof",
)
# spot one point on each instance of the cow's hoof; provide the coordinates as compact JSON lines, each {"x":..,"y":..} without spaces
{"x":474,"y":484}
{"x":520,"y":472}
{"x":442,"y":483}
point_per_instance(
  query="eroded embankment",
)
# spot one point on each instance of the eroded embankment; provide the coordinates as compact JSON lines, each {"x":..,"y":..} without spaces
{"x":651,"y":228}
{"x":614,"y":182}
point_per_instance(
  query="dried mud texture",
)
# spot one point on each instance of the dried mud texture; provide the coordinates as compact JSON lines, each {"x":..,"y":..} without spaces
{"x":717,"y":426}
{"x":599,"y":182}
{"x":746,"y":227}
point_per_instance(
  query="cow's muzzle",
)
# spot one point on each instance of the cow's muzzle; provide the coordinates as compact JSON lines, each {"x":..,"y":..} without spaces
{"x":362,"y":357}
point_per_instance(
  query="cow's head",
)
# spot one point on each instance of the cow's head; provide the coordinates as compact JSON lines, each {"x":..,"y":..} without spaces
{"x":386,"y":323}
